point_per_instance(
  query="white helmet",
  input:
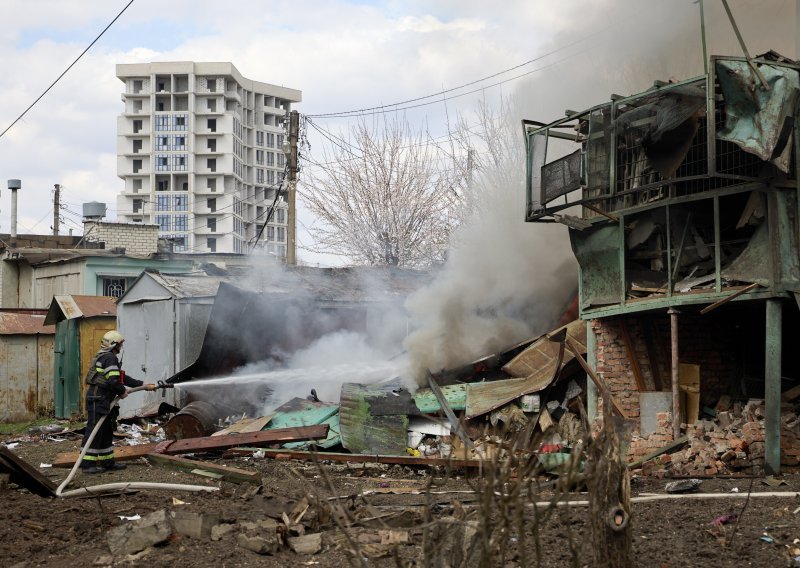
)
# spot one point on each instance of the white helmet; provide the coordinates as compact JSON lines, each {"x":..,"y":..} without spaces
{"x":111,"y":339}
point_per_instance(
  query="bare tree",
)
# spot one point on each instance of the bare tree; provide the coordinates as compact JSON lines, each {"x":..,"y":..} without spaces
{"x":383,"y":196}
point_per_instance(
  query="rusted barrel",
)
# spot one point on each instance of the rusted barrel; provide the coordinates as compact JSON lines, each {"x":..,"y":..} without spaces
{"x":195,"y":420}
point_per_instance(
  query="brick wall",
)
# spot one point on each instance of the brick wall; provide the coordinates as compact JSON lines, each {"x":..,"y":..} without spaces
{"x":135,"y":238}
{"x":703,"y":340}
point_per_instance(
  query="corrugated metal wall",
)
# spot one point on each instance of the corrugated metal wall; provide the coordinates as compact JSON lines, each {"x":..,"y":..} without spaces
{"x":26,"y":376}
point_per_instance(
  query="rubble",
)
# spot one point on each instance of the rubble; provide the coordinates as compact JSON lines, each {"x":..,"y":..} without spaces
{"x":138,"y":535}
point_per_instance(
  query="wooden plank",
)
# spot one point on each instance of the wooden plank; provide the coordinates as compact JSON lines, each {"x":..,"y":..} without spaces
{"x":245,"y":425}
{"x":121,"y":453}
{"x":791,"y":394}
{"x":208,"y":443}
{"x":232,"y":474}
{"x":595,"y":379}
{"x":631,"y":353}
{"x":736,"y":294}
{"x":315,"y":432}
{"x":361,"y":458}
{"x":24,"y":474}
{"x":652,"y":354}
{"x":668,"y":448}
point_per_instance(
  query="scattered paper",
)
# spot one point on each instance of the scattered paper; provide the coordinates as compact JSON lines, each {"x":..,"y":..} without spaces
{"x":12,"y":445}
{"x":735,"y":490}
{"x":133,"y":518}
{"x":176,"y":501}
{"x":45,"y":465}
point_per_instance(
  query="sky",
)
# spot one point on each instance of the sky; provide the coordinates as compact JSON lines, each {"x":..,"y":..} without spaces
{"x":343,"y":55}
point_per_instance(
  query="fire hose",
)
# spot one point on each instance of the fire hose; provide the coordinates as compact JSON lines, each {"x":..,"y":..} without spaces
{"x":120,"y":486}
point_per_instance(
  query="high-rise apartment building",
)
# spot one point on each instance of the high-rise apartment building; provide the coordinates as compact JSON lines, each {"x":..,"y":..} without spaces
{"x":200,"y":148}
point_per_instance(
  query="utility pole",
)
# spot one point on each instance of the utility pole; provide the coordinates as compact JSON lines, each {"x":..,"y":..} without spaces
{"x":291,"y":197}
{"x":56,"y":208}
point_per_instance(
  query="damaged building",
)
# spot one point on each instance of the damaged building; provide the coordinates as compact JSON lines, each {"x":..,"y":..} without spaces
{"x":682,"y":209}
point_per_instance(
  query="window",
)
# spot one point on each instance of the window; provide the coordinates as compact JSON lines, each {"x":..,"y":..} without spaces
{"x":270,"y":233}
{"x":281,"y":160}
{"x":271,"y":159}
{"x":137,"y":126}
{"x":162,"y":162}
{"x":212,"y":164}
{"x":179,"y":163}
{"x":212,"y":224}
{"x":280,"y":141}
{"x":137,"y":85}
{"x":280,"y":216}
{"x":211,"y":83}
{"x":212,"y":124}
{"x":180,"y":203}
{"x":137,"y":166}
{"x":163,"y":222}
{"x":137,"y":106}
{"x":114,"y":287}
{"x":281,"y":234}
{"x":162,"y":185}
{"x":137,"y":185}
{"x":211,"y":202}
{"x":260,"y":157}
{"x":162,"y":122}
{"x":270,"y":140}
{"x":137,"y":205}
{"x":137,"y":145}
{"x":212,"y":105}
{"x":211,"y":184}
{"x":180,"y":222}
{"x":280,"y":250}
{"x":259,"y":138}
{"x":180,"y":122}
{"x":212,"y":144}
{"x":211,"y":243}
{"x":180,"y":142}
{"x":159,"y":106}
{"x":259,"y":175}
{"x":162,"y":142}
{"x":162,"y":86}
{"x":162,"y":203}
{"x":270,"y":176}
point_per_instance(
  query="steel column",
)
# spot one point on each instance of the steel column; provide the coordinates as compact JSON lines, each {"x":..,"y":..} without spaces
{"x":591,"y":358}
{"x":676,"y":396}
{"x":772,"y":387}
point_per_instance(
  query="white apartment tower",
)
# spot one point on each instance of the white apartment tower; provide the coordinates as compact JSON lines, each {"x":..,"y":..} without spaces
{"x":200,"y":148}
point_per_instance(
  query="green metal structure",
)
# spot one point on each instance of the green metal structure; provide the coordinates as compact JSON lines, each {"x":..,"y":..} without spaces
{"x":685,"y":194}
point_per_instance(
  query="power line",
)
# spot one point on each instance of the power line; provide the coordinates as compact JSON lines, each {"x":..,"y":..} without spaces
{"x":53,"y":84}
{"x":359,"y":112}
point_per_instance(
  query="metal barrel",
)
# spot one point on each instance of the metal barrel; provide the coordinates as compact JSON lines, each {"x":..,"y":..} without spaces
{"x":194,"y":420}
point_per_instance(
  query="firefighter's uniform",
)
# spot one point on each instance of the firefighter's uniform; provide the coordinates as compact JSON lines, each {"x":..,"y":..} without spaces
{"x":105,"y":381}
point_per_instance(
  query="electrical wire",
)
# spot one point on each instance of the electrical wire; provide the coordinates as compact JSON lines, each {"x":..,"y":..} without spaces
{"x":53,"y":84}
{"x":358,"y":112}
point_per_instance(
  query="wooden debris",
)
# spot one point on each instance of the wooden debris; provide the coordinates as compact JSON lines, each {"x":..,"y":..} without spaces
{"x":24,"y":475}
{"x":668,"y":448}
{"x":246,"y":425}
{"x":634,"y":360}
{"x":595,"y":379}
{"x":232,"y":474}
{"x":727,"y":299}
{"x":363,"y":458}
{"x":208,"y":444}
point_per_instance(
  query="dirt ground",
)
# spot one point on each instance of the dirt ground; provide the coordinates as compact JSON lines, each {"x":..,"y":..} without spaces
{"x":35,"y":531}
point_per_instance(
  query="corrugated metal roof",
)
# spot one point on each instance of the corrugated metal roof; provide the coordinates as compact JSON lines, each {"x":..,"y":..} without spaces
{"x":70,"y":307}
{"x":365,"y":427}
{"x":188,"y":285}
{"x":536,"y":365}
{"x":24,"y":324}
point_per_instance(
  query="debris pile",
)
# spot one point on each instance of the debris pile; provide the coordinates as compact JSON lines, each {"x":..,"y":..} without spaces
{"x":732,"y":443}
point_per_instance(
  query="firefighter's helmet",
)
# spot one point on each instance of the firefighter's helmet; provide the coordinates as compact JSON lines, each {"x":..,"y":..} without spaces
{"x":111,"y":339}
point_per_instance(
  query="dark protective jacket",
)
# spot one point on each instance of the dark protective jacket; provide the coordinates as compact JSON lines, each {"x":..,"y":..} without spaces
{"x":106,"y":381}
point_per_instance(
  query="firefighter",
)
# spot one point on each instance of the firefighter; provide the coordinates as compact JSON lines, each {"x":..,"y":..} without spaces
{"x":105,"y":381}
